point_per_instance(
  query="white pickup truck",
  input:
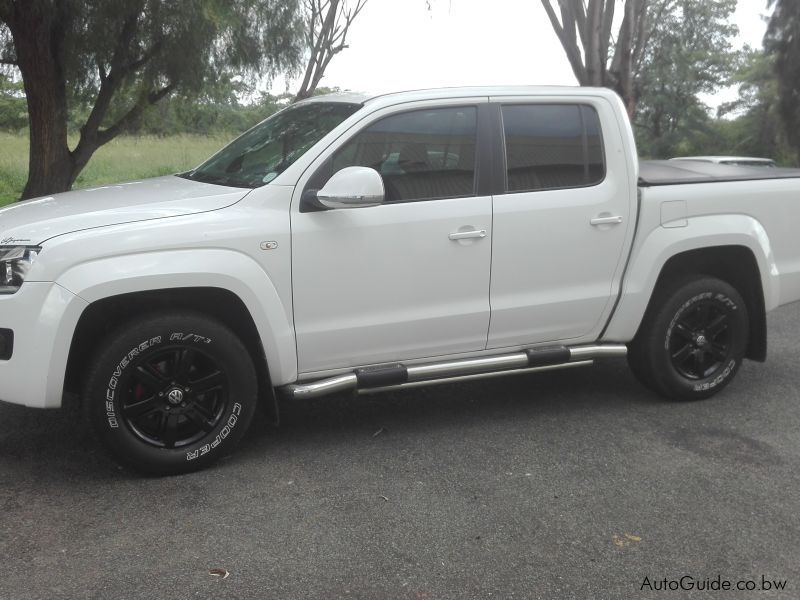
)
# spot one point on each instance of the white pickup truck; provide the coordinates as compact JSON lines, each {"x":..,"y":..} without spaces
{"x":386,"y":242}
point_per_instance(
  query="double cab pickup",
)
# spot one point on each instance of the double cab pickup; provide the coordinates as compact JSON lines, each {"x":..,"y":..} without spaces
{"x":375,"y":243}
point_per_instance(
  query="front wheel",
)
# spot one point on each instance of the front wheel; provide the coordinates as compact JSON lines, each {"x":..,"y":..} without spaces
{"x":171,"y":392}
{"x":692,"y":342}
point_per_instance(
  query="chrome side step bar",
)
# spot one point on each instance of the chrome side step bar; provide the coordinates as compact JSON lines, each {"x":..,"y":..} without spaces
{"x":382,"y":378}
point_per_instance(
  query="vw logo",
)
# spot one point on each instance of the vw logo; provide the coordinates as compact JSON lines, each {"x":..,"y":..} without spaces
{"x":175,"y":397}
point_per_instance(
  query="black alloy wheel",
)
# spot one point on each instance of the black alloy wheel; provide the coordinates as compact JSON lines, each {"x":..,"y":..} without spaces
{"x":692,"y":339}
{"x":700,"y":342}
{"x":175,"y":397}
{"x":171,"y":392}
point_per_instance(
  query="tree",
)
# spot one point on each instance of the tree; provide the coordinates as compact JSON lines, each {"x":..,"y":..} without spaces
{"x":783,"y":42}
{"x":104,"y":52}
{"x":689,"y":53}
{"x":757,"y":129}
{"x":585,"y":30}
{"x":327,"y":24}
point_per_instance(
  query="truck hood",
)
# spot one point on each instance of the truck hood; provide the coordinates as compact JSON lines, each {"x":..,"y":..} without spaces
{"x":33,"y":221}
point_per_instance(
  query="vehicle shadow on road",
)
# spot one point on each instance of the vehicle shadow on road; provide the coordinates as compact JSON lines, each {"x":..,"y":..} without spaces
{"x":51,"y":444}
{"x":443,"y":408}
{"x":59,"y":444}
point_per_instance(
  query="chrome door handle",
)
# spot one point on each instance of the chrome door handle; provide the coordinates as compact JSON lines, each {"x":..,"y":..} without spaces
{"x":464,"y":235}
{"x":616,"y":220}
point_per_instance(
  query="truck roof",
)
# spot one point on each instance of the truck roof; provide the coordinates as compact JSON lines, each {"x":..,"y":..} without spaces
{"x":462,"y":92}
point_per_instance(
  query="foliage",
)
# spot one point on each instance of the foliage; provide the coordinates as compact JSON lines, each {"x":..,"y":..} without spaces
{"x":689,"y":53}
{"x":757,"y":129}
{"x":748,"y":126}
{"x":208,"y":115}
{"x":13,"y":112}
{"x":783,"y":43}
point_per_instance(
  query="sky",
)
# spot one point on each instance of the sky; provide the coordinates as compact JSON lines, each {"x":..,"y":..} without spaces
{"x":400,"y":44}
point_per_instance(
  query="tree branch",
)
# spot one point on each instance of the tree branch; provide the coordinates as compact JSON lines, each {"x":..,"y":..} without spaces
{"x":101,"y":71}
{"x":580,"y":14}
{"x":134,"y":113}
{"x":7,"y":12}
{"x":145,"y":58}
{"x":568,"y":41}
{"x":90,"y":142}
{"x":126,"y":35}
{"x":112,"y":79}
{"x":331,"y":21}
{"x":608,"y":21}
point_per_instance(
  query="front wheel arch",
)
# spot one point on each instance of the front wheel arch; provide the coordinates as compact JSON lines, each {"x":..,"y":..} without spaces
{"x":103,"y":316}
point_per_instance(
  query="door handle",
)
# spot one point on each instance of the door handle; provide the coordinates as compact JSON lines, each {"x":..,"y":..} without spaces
{"x":465,"y":235}
{"x":614,"y":220}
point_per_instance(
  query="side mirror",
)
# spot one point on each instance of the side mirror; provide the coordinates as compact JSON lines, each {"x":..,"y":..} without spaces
{"x":352,"y":187}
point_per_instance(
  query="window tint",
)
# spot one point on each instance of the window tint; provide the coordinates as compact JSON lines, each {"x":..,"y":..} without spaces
{"x":421,"y":155}
{"x":552,"y":146}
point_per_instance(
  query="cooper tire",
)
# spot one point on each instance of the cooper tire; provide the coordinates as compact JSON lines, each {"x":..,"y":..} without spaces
{"x":693,"y":340}
{"x":171,"y":392}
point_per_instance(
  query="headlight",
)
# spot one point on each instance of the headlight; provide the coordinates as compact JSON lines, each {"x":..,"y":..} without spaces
{"x":15,"y":262}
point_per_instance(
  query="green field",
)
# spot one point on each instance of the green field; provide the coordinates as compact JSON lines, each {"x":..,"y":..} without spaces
{"x":123,"y":159}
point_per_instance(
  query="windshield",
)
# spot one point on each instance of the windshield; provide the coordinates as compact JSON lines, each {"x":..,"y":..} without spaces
{"x":259,"y":155}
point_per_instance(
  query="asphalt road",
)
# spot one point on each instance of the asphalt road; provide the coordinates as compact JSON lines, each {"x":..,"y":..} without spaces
{"x":573,"y":484}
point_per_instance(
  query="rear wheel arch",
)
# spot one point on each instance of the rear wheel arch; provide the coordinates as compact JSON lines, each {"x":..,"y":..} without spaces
{"x":736,"y":265}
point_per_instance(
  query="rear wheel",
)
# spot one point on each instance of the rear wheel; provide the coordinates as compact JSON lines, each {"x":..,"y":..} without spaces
{"x":171,"y":392}
{"x":692,"y":342}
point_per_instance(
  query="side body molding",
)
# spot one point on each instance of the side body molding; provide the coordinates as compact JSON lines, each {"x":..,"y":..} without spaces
{"x":220,"y":268}
{"x":652,"y":251}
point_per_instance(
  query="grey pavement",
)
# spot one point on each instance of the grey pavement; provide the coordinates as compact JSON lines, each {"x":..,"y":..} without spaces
{"x":572,"y":484}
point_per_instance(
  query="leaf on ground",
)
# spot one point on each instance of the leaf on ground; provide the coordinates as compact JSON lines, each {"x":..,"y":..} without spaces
{"x":621,"y":541}
{"x":219,"y":572}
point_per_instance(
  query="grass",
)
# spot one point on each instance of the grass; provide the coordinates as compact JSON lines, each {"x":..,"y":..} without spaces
{"x":122,"y":159}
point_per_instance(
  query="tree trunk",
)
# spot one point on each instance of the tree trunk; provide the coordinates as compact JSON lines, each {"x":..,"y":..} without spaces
{"x":624,"y":57}
{"x":38,"y":33}
{"x":595,"y":60}
{"x":50,"y":167}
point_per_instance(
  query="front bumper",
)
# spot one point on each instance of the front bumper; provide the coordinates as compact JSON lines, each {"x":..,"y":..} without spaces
{"x":43,"y":317}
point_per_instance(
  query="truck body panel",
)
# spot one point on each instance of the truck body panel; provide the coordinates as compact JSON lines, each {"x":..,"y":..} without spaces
{"x":450,"y":277}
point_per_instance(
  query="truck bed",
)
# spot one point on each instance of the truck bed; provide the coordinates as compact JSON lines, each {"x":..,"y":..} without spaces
{"x":669,"y":172}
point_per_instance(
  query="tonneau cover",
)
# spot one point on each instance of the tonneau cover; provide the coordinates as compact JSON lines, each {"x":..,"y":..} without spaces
{"x":673,"y":172}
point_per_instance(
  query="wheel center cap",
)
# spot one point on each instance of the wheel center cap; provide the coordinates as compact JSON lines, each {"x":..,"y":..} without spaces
{"x":701,"y":340}
{"x":175,"y":396}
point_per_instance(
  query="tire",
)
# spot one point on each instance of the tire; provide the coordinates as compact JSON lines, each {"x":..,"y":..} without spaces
{"x":692,"y":340}
{"x":171,"y":392}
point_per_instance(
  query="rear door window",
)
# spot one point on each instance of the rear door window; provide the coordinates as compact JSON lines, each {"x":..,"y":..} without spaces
{"x":552,"y":146}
